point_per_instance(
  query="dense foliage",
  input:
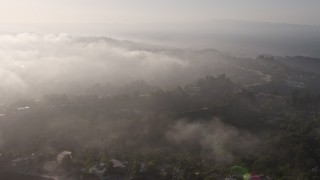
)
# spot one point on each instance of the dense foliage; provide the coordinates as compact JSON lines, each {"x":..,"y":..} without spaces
{"x":199,"y":131}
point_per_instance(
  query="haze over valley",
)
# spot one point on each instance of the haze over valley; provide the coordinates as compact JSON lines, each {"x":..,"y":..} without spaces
{"x":181,"y":90}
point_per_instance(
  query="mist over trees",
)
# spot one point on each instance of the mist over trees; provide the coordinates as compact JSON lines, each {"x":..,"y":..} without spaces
{"x":139,"y":111}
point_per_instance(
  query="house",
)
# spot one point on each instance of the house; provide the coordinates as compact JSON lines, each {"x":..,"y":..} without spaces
{"x":64,"y":156}
{"x":113,"y":171}
{"x":259,"y":177}
{"x":23,"y":108}
{"x":99,"y":170}
{"x":117,"y":164}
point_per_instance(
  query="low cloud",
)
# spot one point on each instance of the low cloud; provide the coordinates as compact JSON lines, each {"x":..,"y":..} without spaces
{"x":215,"y":139}
{"x":40,"y":63}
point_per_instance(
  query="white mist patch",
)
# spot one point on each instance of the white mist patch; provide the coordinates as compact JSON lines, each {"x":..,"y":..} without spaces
{"x":216,"y":139}
{"x":41,"y":63}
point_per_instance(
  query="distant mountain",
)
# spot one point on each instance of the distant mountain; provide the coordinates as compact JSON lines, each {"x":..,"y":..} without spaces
{"x":239,"y":37}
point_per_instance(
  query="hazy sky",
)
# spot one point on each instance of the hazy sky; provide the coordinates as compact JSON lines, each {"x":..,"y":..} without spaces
{"x":139,"y":11}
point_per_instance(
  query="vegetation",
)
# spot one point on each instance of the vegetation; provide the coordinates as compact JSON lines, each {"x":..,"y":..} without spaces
{"x":208,"y":129}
